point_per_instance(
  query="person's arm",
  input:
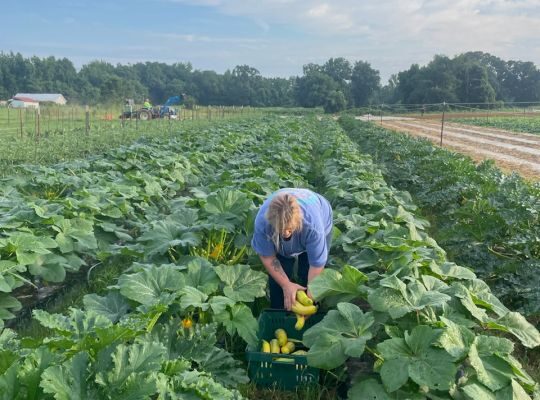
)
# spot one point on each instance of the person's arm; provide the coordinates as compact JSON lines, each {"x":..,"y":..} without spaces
{"x":274,"y":268}
{"x":317,"y":253}
{"x":313,"y":272}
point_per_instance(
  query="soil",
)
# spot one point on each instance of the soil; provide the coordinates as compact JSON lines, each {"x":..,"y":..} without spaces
{"x":511,"y":151}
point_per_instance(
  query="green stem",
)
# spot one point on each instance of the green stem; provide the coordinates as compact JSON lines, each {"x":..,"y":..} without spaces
{"x":377,"y":355}
{"x":171,"y":254}
{"x":497,"y":253}
{"x":153,"y":322}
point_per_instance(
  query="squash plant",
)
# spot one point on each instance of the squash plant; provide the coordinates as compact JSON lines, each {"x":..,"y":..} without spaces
{"x":423,"y":322}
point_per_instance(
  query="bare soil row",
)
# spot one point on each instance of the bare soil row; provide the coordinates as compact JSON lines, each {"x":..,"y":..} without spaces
{"x":513,"y":152}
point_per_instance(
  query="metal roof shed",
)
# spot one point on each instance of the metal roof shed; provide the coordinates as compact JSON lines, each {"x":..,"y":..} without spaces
{"x":56,"y":98}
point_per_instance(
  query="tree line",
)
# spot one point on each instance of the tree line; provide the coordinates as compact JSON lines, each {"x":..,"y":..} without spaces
{"x":473,"y":77}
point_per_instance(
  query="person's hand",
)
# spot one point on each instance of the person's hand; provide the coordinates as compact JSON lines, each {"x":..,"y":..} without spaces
{"x":289,"y":294}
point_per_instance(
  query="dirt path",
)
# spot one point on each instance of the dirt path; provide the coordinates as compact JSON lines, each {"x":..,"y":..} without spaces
{"x":512,"y":152}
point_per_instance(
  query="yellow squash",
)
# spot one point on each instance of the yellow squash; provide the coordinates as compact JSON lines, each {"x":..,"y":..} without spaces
{"x":300,"y":321}
{"x":274,"y":346}
{"x":303,"y":298}
{"x":281,"y":337}
{"x":300,"y":309}
{"x":288,"y":348}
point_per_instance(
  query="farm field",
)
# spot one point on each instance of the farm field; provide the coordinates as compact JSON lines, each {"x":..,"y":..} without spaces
{"x":178,"y":211}
{"x":511,"y":151}
{"x":59,"y":133}
{"x":524,"y":124}
{"x":481,"y":217}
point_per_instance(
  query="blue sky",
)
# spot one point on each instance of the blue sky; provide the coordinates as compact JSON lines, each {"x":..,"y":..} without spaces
{"x":275,"y":36}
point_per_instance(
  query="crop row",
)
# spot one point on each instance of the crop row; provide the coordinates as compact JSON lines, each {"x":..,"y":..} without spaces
{"x":167,"y":327}
{"x":156,"y":331}
{"x":516,"y":124}
{"x":58,"y":219}
{"x":428,"y":327}
{"x":484,"y":219}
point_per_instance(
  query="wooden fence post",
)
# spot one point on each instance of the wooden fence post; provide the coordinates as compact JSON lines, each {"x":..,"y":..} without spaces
{"x":38,"y":125}
{"x":87,"y":119}
{"x":442,"y":121}
{"x":21,"y":121}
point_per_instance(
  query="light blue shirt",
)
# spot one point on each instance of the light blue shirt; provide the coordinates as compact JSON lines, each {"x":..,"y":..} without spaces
{"x":314,"y":238}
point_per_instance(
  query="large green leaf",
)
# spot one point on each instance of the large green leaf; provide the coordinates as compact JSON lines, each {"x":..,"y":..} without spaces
{"x":467,"y":301}
{"x":130,"y":361}
{"x":194,"y":385}
{"x":475,"y":390}
{"x":239,"y":319}
{"x":218,"y":304}
{"x":368,"y":389}
{"x":223,"y":367}
{"x":451,"y":270}
{"x":241,"y":282}
{"x":10,"y":275}
{"x":148,"y":286}
{"x":166,"y":234}
{"x":9,"y":383}
{"x":398,"y":299}
{"x":76,"y":230}
{"x":193,"y":298}
{"x":28,"y":246}
{"x":201,"y":275}
{"x":344,"y":285}
{"x":31,"y":369}
{"x":194,"y":344}
{"x":51,"y":267}
{"x":8,"y":305}
{"x":112,"y":306}
{"x":415,"y":354}
{"x":491,"y":370}
{"x":513,"y":391}
{"x":341,"y":334}
{"x":517,"y":325}
{"x":456,"y":339}
{"x":77,"y":324}
{"x":227,"y":208}
{"x":69,"y":381}
{"x":482,"y":296}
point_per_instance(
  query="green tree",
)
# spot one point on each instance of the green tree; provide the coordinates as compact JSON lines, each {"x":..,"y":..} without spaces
{"x":334,"y":102}
{"x":314,"y":89}
{"x":365,"y":81}
{"x":474,"y":85}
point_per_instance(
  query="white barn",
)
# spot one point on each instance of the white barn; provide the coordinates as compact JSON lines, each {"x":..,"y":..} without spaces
{"x":55,"y":98}
{"x":22,"y":102}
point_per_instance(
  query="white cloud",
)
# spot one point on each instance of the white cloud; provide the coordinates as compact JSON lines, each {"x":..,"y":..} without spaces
{"x":192,"y":37}
{"x":390,"y":34}
{"x":318,"y":11}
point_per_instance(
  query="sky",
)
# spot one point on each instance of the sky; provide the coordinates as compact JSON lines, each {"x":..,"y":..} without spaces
{"x":277,"y":37}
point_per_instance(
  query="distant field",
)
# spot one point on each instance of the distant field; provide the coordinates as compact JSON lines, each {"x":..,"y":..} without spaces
{"x":513,"y":151}
{"x":513,"y":123}
{"x":59,"y":133}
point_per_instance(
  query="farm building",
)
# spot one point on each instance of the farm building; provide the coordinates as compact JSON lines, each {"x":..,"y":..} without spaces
{"x":23,"y":102}
{"x":56,"y":98}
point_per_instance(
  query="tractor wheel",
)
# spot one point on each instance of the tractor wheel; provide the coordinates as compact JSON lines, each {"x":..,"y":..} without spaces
{"x":145,"y":115}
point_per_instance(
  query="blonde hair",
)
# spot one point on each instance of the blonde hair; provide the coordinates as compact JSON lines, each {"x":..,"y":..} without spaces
{"x":284,"y":212}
